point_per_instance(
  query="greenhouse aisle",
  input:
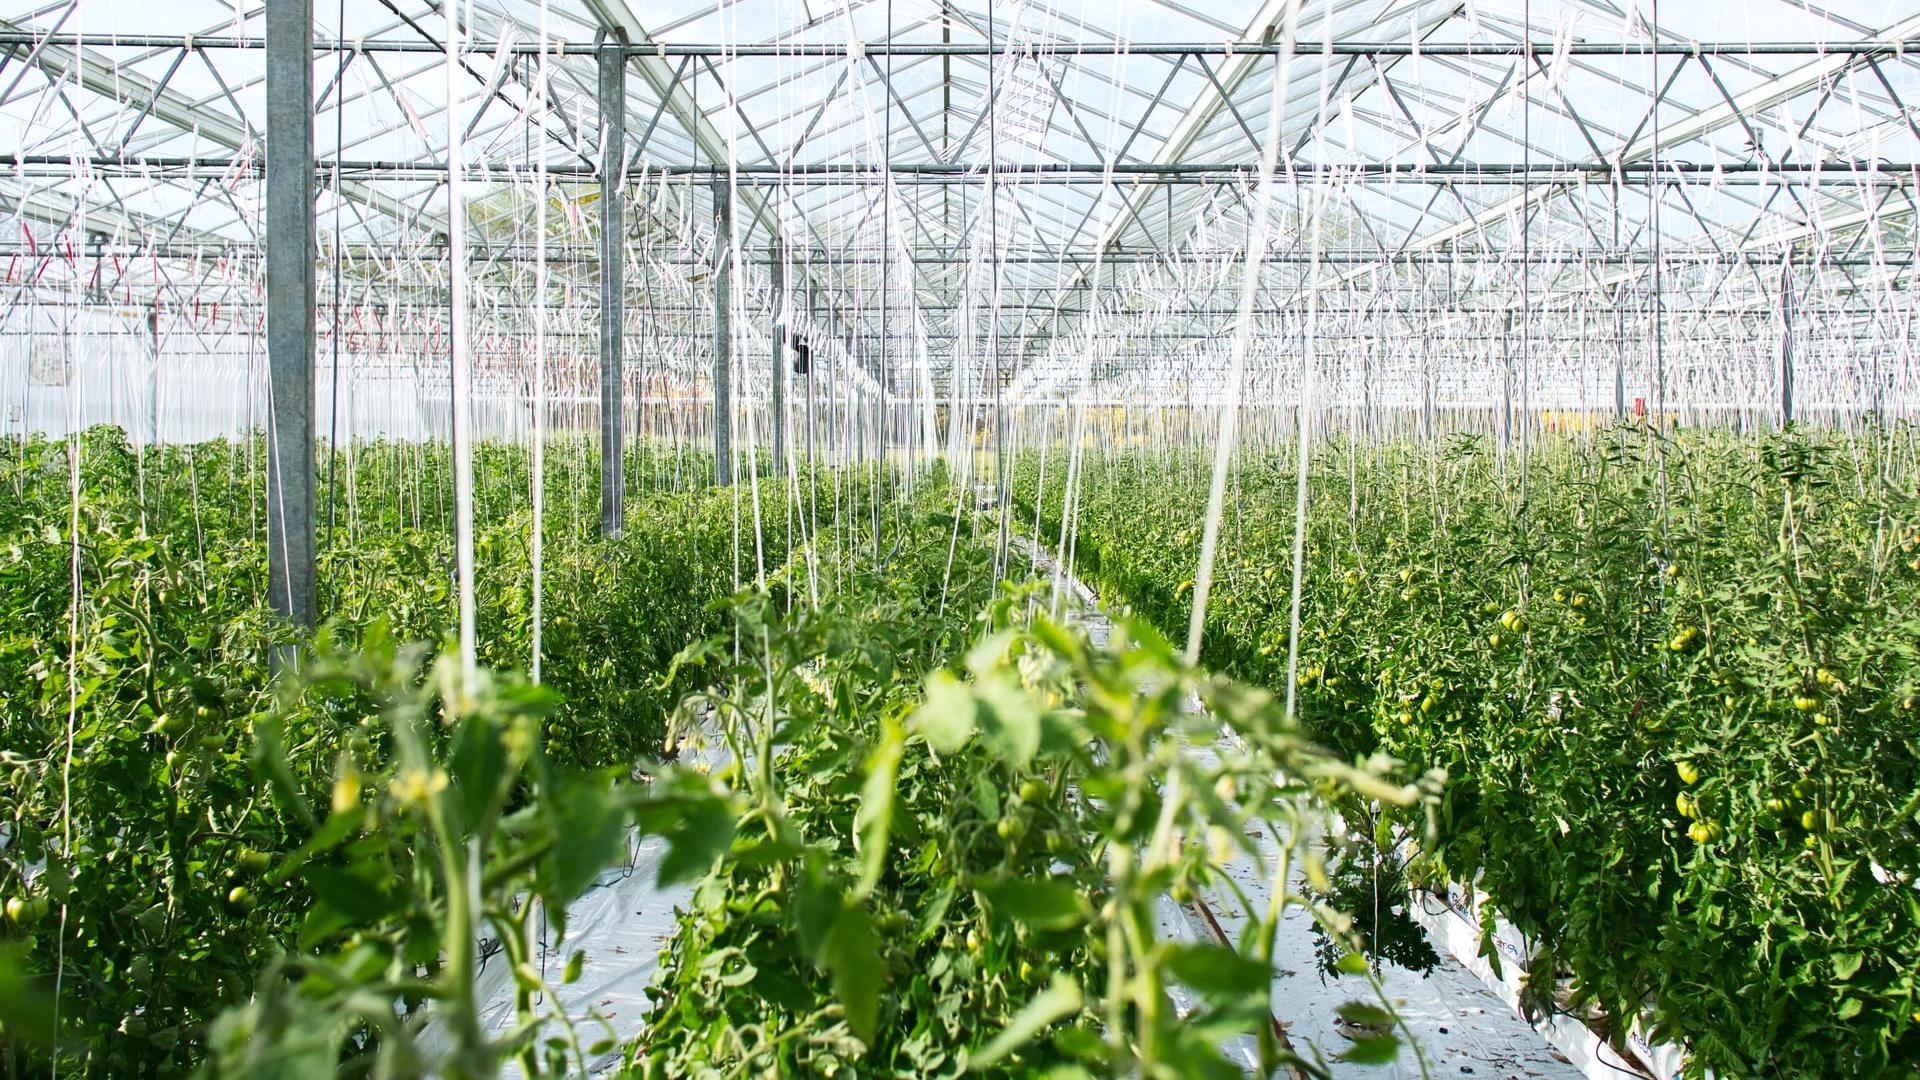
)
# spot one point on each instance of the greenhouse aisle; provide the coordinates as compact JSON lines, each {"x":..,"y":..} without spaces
{"x":623,"y":925}
{"x":1462,"y":1027}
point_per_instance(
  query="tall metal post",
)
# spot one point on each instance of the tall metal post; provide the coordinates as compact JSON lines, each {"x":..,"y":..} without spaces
{"x":1786,"y":341}
{"x":812,"y":331}
{"x":291,"y":257}
{"x":1619,"y":316}
{"x":1506,"y":383}
{"x":1619,"y":353}
{"x":722,"y":333}
{"x":777,"y":261}
{"x":613,"y":265}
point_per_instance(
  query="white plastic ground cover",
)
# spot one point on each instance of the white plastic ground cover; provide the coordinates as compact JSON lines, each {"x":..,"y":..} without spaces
{"x":623,"y":924}
{"x":1455,"y":928}
{"x":1461,"y":1026}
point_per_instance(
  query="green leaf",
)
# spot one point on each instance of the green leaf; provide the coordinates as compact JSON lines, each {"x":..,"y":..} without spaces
{"x":698,"y":828}
{"x":590,"y":825}
{"x":1043,"y":905}
{"x":26,"y":1010}
{"x":270,"y":762}
{"x":1374,"y":1050}
{"x":1009,"y":719}
{"x":478,"y":766}
{"x":1845,"y":965}
{"x":816,"y":904}
{"x":946,"y":718}
{"x":1058,"y":1001}
{"x":851,"y":955}
{"x":987,"y":653}
{"x":1055,"y":637}
{"x":1217,"y":971}
{"x":356,"y":891}
{"x":1361,"y":1012}
{"x":1351,"y":964}
{"x":875,"y":818}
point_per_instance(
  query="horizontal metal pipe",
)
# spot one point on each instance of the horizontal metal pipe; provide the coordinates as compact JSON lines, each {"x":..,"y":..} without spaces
{"x":1636,"y":172}
{"x":588,"y":256}
{"x":1070,"y":49}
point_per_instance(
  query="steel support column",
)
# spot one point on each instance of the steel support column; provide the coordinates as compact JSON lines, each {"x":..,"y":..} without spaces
{"x":291,"y":258}
{"x":806,"y":292}
{"x":722,"y":334}
{"x":777,"y":262}
{"x":1786,"y":343}
{"x":613,"y":231}
{"x":1506,"y":385}
{"x":1619,"y":353}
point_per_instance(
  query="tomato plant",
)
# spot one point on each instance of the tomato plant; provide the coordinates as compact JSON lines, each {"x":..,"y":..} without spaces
{"x":1671,"y":680}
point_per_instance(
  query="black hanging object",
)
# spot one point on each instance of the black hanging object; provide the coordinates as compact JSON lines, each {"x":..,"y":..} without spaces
{"x":802,"y":356}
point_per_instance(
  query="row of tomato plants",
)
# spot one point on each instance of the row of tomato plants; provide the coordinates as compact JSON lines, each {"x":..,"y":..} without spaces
{"x":935,"y":844}
{"x":1672,"y":680}
{"x":295,"y":878}
{"x":134,"y":660}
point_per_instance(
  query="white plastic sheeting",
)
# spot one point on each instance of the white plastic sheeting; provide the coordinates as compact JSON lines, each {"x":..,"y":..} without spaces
{"x":622,"y":924}
{"x":50,"y":384}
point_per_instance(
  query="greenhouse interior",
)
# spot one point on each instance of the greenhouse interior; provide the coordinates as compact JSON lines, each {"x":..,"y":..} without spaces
{"x":1283,"y":538}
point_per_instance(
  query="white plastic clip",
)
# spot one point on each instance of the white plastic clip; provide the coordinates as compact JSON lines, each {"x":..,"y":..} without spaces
{"x":660,"y":49}
{"x":1696,"y":49}
{"x":186,"y":43}
{"x":559,"y":46}
{"x":359,"y":46}
{"x":857,"y":51}
{"x":1228,"y":53}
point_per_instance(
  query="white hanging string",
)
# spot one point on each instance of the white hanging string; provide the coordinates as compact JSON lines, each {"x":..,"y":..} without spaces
{"x":537,"y":530}
{"x":1243,"y":331}
{"x":460,"y":352}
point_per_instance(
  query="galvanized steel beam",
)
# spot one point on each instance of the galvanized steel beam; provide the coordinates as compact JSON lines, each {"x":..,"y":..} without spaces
{"x":291,"y":255}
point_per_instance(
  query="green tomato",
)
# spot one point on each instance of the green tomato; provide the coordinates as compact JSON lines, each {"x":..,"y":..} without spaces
{"x":241,"y":900}
{"x":25,"y":911}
